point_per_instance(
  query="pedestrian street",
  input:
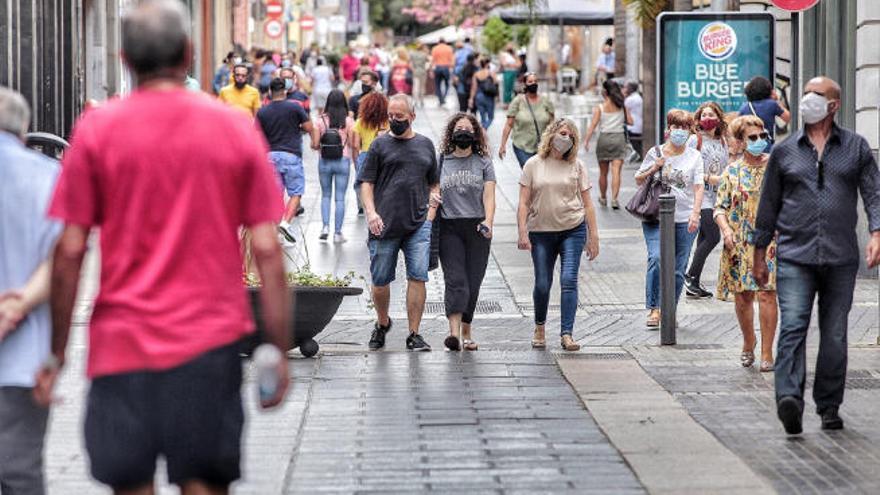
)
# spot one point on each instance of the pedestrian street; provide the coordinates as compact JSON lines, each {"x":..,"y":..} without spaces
{"x":623,"y":415}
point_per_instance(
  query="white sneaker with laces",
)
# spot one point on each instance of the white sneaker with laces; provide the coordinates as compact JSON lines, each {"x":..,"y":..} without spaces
{"x":338,"y":238}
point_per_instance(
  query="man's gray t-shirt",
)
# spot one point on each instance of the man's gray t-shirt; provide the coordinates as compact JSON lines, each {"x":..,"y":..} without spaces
{"x":26,"y":239}
{"x":462,"y":180}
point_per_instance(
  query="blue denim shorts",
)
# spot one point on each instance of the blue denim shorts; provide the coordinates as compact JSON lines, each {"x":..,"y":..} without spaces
{"x":416,"y":253}
{"x":290,"y":168}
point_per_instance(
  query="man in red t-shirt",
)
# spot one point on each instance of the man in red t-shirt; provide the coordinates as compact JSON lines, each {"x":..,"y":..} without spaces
{"x":348,"y":66}
{"x":168,"y":177}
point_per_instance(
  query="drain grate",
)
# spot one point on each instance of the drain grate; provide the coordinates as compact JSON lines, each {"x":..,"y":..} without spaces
{"x":595,"y":355}
{"x":483,"y":307}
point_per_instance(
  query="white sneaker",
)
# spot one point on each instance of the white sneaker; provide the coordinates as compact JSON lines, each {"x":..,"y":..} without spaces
{"x":286,"y":231}
{"x":325,"y":231}
{"x":338,"y":238}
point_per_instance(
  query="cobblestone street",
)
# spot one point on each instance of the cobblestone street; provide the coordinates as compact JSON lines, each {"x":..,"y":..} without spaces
{"x":623,"y":415}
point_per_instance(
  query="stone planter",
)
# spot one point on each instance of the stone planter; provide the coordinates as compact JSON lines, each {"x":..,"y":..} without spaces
{"x":313,"y":309}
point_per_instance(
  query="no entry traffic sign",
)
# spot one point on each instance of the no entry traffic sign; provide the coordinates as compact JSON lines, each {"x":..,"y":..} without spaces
{"x":795,"y":5}
{"x":274,"y":9}
{"x":307,"y":23}
{"x":274,"y":28}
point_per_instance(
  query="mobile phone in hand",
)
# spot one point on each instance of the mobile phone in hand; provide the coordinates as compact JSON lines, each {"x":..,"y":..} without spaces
{"x":484,"y":229}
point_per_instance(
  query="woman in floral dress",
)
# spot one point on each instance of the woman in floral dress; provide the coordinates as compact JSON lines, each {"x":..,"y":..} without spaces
{"x":735,"y":210}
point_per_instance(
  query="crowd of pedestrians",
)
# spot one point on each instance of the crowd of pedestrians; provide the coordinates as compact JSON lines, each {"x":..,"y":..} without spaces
{"x":786,"y":220}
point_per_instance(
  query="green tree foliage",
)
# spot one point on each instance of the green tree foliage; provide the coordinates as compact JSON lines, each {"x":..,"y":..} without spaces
{"x":496,"y":34}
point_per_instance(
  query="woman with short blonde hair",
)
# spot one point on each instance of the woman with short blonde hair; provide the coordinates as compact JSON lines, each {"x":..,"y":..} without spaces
{"x":681,"y":169}
{"x":735,"y":212}
{"x":556,"y":220}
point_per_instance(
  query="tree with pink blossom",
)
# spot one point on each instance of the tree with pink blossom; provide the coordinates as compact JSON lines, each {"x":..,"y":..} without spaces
{"x":464,"y":13}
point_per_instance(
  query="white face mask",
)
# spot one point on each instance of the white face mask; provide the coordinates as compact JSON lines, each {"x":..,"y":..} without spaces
{"x":814,"y":108}
{"x":562,"y":143}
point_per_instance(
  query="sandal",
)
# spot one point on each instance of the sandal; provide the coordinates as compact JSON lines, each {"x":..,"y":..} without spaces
{"x":747,"y":358}
{"x":767,"y":366}
{"x":452,"y":343}
{"x":538,"y":340}
{"x":569,"y":344}
{"x":470,"y":345}
{"x":603,"y":201}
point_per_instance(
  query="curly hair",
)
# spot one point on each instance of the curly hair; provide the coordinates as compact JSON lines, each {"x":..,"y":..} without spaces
{"x":551,"y":130}
{"x":481,"y":145}
{"x":373,"y":111}
{"x":721,"y":129}
{"x":759,"y":88}
{"x":740,"y":124}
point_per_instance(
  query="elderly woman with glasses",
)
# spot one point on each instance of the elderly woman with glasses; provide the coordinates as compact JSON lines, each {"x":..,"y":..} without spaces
{"x":735,"y":211}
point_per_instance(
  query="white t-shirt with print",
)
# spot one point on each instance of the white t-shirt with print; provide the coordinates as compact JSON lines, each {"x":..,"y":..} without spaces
{"x":681,"y":172}
{"x":715,"y":158}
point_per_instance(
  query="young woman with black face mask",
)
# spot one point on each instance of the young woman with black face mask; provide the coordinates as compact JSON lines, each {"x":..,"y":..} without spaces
{"x":466,"y":215}
{"x":527,"y":117}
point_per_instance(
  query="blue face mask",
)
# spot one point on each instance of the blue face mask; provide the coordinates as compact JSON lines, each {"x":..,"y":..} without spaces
{"x":679,"y":137}
{"x":288,"y":84}
{"x":756,"y":147}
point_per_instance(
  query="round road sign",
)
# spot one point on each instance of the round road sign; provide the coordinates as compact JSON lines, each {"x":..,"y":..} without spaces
{"x":274,"y":9}
{"x":307,"y":23}
{"x":274,"y":28}
{"x":795,"y":5}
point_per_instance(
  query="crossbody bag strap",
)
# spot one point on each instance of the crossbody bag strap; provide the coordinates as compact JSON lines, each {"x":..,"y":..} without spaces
{"x":534,"y":119}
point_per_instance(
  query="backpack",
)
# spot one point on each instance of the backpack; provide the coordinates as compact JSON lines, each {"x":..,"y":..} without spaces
{"x":489,"y":87}
{"x":331,"y":143}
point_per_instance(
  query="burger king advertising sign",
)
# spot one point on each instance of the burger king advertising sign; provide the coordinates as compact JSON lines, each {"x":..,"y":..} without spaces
{"x":711,"y":57}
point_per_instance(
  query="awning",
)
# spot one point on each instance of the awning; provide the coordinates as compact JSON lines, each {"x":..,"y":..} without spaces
{"x":449,"y":34}
{"x":556,"y":12}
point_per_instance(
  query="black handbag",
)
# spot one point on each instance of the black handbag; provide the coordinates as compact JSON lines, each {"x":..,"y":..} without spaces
{"x":645,"y":204}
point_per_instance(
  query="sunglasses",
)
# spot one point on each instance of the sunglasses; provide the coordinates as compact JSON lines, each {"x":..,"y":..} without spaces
{"x":754,"y":137}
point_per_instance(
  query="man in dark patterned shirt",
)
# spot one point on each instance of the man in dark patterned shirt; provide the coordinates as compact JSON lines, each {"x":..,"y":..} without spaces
{"x":809,"y":199}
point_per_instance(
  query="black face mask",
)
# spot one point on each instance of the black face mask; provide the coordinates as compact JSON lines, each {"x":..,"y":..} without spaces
{"x":531,"y":88}
{"x":240,"y":84}
{"x":366,"y":88}
{"x":463,"y":139}
{"x":399,"y":127}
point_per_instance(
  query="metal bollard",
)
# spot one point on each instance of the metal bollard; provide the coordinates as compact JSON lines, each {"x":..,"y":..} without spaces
{"x":667,"y":269}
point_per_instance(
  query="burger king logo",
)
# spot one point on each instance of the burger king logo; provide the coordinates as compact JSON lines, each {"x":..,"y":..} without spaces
{"x":717,"y":41}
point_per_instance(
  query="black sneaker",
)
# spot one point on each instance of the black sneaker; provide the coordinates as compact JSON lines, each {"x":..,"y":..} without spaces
{"x":415,"y":342}
{"x":831,"y":420}
{"x":704,"y":294}
{"x":377,"y":339}
{"x":300,"y":211}
{"x":790,"y":412}
{"x":360,"y":212}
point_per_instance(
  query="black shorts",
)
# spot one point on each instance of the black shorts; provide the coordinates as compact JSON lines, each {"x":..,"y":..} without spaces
{"x":191,"y":415}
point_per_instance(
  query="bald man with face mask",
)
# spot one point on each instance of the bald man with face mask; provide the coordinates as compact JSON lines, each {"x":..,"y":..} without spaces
{"x":809,"y":202}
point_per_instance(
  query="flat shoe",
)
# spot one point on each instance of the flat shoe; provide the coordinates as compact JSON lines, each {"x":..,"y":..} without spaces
{"x":767,"y":366}
{"x":569,"y":344}
{"x":470,"y":345}
{"x":452,"y":343}
{"x":603,"y":201}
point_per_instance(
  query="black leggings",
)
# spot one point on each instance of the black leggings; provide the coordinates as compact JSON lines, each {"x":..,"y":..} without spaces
{"x":464,"y":254}
{"x":706,"y":242}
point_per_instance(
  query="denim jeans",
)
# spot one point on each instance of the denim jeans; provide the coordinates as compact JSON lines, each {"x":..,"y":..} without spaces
{"x":486,"y":109}
{"x":441,"y":75}
{"x":333,"y":173}
{"x":416,"y":249}
{"x":683,"y":242}
{"x":522,"y":156}
{"x":290,"y":169}
{"x":797,"y":287}
{"x":566,"y":245}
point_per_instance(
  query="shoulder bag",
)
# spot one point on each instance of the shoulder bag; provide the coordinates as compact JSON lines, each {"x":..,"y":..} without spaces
{"x":645,"y":204}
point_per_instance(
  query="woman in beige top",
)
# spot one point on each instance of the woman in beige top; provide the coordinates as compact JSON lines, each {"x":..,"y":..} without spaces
{"x":556,"y":219}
